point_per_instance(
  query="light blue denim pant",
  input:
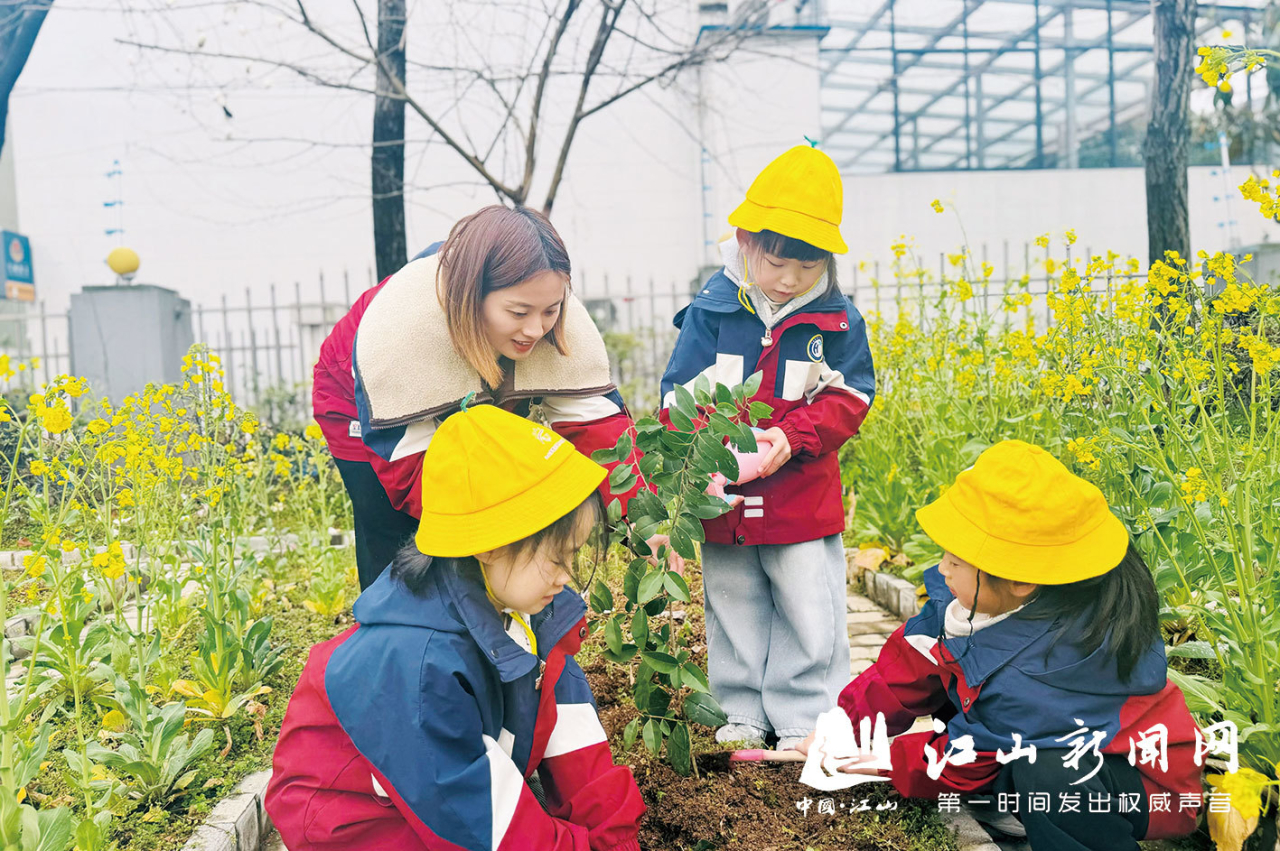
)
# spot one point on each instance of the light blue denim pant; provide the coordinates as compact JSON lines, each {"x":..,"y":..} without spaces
{"x":777,"y":640}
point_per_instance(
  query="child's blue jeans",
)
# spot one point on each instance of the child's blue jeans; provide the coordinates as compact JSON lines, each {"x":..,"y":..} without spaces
{"x":777,"y":641}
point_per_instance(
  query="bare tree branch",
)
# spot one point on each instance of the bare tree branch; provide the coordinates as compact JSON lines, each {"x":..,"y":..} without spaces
{"x":608,"y":21}
{"x":531,"y":145}
{"x":515,"y":95}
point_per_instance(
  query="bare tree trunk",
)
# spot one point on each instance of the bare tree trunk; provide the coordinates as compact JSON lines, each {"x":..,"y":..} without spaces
{"x":389,"y":243}
{"x":1168,"y":134}
{"x":17,"y":36}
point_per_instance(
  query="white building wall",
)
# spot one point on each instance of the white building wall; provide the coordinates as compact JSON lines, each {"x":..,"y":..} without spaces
{"x":8,"y":185}
{"x":1106,"y":207}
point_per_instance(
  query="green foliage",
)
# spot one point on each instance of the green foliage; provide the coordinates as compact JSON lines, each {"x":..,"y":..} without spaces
{"x":155,"y":754}
{"x":675,"y":469}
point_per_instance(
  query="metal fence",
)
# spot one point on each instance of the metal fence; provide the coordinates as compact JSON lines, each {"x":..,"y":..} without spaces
{"x":270,"y":341}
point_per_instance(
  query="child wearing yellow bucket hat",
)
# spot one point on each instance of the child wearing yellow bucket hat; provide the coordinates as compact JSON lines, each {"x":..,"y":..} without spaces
{"x":773,"y":567}
{"x":1041,"y":632}
{"x":423,"y":726}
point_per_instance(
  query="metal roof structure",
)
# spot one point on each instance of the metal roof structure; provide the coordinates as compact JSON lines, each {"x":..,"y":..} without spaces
{"x":980,"y":84}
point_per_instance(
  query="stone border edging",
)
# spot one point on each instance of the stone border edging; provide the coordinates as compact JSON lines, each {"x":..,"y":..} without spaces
{"x":238,"y":822}
{"x":892,"y":592}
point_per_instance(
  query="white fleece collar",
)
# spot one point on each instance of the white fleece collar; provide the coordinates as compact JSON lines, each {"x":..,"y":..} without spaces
{"x":956,"y":620}
{"x":410,"y":370}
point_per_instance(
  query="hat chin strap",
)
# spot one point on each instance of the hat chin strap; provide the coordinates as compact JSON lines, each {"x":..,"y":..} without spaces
{"x":515,"y":615}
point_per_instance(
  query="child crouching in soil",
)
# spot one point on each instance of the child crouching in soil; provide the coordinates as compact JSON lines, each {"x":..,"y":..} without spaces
{"x":422,"y":726}
{"x":1042,"y":622}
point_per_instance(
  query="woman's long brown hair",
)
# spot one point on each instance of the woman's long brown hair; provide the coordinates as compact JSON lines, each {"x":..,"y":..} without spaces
{"x":490,"y":250}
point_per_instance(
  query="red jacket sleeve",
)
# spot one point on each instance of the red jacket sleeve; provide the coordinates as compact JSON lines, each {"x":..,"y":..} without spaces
{"x":594,"y":423}
{"x":846,"y":389}
{"x":583,"y":785}
{"x":904,"y":684}
{"x":910,"y":767}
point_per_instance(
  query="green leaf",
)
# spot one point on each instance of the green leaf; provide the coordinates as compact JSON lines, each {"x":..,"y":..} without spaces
{"x":678,"y":750}
{"x":682,"y":543}
{"x":649,"y":425}
{"x":752,"y":385}
{"x":629,"y":733}
{"x":659,"y":701}
{"x":676,"y":586}
{"x":721,"y":426}
{"x":629,"y":483}
{"x":614,"y":512}
{"x":650,"y":586}
{"x":613,"y":634}
{"x":723,"y":395}
{"x":651,"y":505}
{"x":759,"y":411}
{"x":640,"y":628}
{"x":745,"y":439}
{"x":652,"y":737}
{"x":1192,"y":650}
{"x":605,"y":456}
{"x":624,"y":657}
{"x":622,"y":449}
{"x":660,"y":662}
{"x":644,"y":686}
{"x":684,"y":402}
{"x":1202,"y":694}
{"x":702,"y":390}
{"x":650,"y":464}
{"x":693,"y":677}
{"x":680,"y":421}
{"x":601,"y":597}
{"x":703,"y":709}
{"x":618,"y":479}
{"x":674,"y":679}
{"x":631,"y":582}
{"x":724,"y":460}
{"x":692,"y":528}
{"x":707,"y":509}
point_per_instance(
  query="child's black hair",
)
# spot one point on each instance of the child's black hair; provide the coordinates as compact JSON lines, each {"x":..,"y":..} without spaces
{"x":413,"y":568}
{"x":791,"y":248}
{"x":1121,"y":603}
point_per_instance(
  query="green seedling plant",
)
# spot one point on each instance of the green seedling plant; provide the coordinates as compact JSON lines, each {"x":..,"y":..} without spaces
{"x":154,"y":754}
{"x":671,"y":689}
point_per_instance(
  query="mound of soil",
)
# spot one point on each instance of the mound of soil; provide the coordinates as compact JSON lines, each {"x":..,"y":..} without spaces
{"x":753,"y":806}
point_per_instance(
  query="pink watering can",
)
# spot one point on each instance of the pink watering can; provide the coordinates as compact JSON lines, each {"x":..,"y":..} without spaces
{"x":748,"y":469}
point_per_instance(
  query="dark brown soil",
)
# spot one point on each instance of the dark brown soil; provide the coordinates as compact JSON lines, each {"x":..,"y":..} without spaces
{"x":750,"y":807}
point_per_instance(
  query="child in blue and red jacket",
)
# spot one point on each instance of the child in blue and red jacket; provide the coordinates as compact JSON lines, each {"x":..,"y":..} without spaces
{"x":422,"y":727}
{"x":774,"y":567}
{"x":1042,"y":622}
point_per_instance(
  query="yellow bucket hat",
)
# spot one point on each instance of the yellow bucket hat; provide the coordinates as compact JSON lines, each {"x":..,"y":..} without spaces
{"x":491,"y":478}
{"x":797,"y":195}
{"x":1019,"y":514}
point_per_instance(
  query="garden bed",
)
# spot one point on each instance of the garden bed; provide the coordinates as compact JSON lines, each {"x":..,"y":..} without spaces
{"x":750,"y":806}
{"x":252,"y":736}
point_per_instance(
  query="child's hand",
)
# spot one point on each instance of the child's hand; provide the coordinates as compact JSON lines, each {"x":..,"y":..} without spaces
{"x":674,"y":560}
{"x":850,"y":766}
{"x":779,"y":453}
